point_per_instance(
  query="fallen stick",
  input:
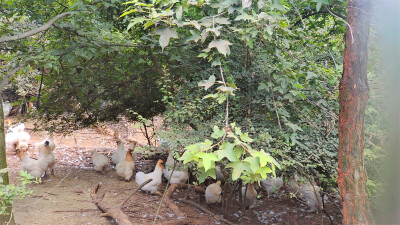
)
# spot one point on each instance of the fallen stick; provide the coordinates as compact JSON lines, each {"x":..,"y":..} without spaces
{"x":110,"y":211}
{"x":170,"y":203}
{"x":134,"y":191}
{"x":82,"y":210}
{"x":172,"y":206}
{"x":206,"y":211}
{"x":173,"y":187}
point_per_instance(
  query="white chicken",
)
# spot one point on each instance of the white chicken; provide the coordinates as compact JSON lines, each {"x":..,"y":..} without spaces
{"x":100,"y":161}
{"x":180,"y":174}
{"x":249,"y":196}
{"x":119,"y":155}
{"x":34,"y":167}
{"x":125,"y":168}
{"x":6,"y":108}
{"x":45,"y":149}
{"x":156,"y":175}
{"x":213,"y":193}
{"x":17,"y":137}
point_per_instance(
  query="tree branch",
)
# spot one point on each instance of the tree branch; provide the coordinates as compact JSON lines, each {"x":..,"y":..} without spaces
{"x":42,"y":28}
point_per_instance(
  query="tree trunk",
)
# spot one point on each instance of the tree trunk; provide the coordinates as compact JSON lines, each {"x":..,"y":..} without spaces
{"x":3,"y":157}
{"x":354,"y":93}
{"x":4,"y":219}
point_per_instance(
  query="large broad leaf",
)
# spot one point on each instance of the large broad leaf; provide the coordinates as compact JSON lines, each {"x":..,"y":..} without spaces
{"x":135,"y":21}
{"x":238,"y":168}
{"x":266,"y":158}
{"x":193,"y":23}
{"x":245,"y":137}
{"x":207,"y":159}
{"x":217,"y":133}
{"x":165,"y":34}
{"x":254,"y":163}
{"x":293,"y":126}
{"x":226,"y":89}
{"x":226,"y":150}
{"x":263,"y":171}
{"x":222,"y":20}
{"x":207,"y":83}
{"x":221,"y":45}
{"x":208,"y":173}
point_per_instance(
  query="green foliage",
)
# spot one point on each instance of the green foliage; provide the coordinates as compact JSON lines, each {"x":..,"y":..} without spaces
{"x":10,"y":192}
{"x":281,"y":75}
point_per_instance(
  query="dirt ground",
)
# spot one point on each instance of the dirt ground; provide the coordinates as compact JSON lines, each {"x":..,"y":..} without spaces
{"x":64,"y":198}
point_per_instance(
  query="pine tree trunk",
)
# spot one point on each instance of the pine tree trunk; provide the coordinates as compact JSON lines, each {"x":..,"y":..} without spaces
{"x":354,"y":93}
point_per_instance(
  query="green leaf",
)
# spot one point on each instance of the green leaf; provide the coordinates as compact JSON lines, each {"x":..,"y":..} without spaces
{"x":208,"y":173}
{"x":207,"y":83}
{"x":217,"y":133}
{"x":187,"y":156}
{"x":238,"y":151}
{"x":263,"y":87}
{"x":165,"y":34}
{"x":263,"y":171}
{"x":222,"y":20}
{"x":226,"y":150}
{"x":135,"y":21}
{"x":254,"y":163}
{"x":238,"y":168}
{"x":4,"y":170}
{"x":221,"y":98}
{"x":221,"y":45}
{"x":207,"y":158}
{"x":319,"y":3}
{"x":203,"y":55}
{"x":229,"y":90}
{"x":148,"y":24}
{"x":245,"y":137}
{"x":244,"y":16}
{"x":293,"y":126}
{"x":216,"y":63}
{"x":211,"y":96}
{"x":193,"y":23}
{"x":310,"y":75}
{"x":179,"y":12}
{"x":128,"y":12}
{"x":266,"y":158}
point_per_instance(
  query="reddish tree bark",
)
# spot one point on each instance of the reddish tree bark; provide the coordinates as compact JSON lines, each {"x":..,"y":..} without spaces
{"x":354,"y":93}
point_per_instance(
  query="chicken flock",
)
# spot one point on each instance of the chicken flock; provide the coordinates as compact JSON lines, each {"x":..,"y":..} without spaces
{"x":17,"y":139}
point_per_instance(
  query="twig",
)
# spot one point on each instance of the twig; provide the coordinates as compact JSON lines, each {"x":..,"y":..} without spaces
{"x":351,"y":30}
{"x":227,"y":101}
{"x":206,"y":211}
{"x":109,"y":210}
{"x":134,"y":191}
{"x":163,"y":195}
{"x":78,"y":211}
{"x":273,"y":98}
{"x":11,"y":216}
